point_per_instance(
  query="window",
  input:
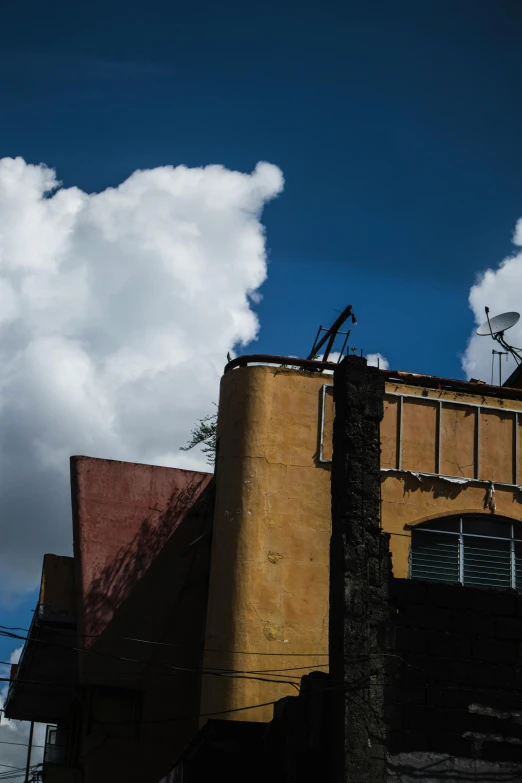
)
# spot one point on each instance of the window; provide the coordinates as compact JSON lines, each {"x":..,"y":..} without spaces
{"x":473,"y":550}
{"x":56,"y":749}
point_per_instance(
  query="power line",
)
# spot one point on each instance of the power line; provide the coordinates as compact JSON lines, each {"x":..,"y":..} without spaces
{"x":35,"y":682}
{"x":230,"y":673}
{"x":213,"y":671}
{"x":181,"y":646}
{"x":16,"y":774}
{"x":223,"y":672}
{"x":227,"y":673}
{"x":346,"y":686}
{"x":431,"y":681}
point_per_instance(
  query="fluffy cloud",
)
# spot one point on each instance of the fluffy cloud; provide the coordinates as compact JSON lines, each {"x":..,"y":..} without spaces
{"x":378,"y":360}
{"x":499,"y":289}
{"x":373,"y":359}
{"x":117,"y":310}
{"x":14,"y":734}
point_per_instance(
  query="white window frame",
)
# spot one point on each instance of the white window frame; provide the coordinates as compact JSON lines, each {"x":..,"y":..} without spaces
{"x":424,"y":528}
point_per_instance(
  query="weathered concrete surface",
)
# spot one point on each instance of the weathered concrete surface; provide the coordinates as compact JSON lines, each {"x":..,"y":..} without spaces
{"x":441,"y":768}
{"x":360,"y":571}
{"x":427,"y":668}
{"x":269,"y":577}
{"x":455,"y":686}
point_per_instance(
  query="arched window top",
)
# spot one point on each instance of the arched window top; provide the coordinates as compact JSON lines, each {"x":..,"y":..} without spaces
{"x":475,"y":550}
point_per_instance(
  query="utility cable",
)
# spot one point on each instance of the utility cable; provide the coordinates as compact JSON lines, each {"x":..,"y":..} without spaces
{"x":198,"y":670}
{"x":181,"y":646}
{"x":182,"y":669}
{"x":346,"y":686}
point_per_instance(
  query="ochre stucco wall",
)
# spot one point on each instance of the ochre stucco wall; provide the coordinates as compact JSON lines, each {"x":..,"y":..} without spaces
{"x":406,"y":501}
{"x":268,"y":589}
{"x":269,"y":582}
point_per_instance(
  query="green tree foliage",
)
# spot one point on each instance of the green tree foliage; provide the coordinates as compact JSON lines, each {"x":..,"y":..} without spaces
{"x":204,"y":432}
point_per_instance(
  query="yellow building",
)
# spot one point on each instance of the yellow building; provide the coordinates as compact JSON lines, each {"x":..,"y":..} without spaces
{"x":448,"y":449}
{"x":191,"y":596}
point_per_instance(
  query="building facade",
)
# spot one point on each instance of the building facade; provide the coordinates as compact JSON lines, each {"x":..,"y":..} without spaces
{"x":338,"y":500}
{"x":139,"y":572}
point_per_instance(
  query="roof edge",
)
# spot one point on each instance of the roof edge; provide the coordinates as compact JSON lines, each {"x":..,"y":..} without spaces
{"x":433,"y":381}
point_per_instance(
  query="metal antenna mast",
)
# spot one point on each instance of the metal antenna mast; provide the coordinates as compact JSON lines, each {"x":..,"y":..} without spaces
{"x":500,"y":354}
{"x":495,"y":328}
{"x":331,"y":334}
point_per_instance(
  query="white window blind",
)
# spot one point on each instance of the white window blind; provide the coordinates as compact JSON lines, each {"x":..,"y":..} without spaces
{"x":475,"y":551}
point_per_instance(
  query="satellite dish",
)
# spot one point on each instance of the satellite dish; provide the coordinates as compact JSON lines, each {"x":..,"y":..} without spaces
{"x":498,"y":324}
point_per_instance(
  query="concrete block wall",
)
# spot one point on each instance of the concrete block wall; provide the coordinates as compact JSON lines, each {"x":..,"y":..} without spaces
{"x":426,"y":678}
{"x":455,"y":681}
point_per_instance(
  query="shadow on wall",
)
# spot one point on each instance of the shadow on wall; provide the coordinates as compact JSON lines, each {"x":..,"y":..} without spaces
{"x":153,"y":588}
{"x":435,"y":487}
{"x":121,"y":575}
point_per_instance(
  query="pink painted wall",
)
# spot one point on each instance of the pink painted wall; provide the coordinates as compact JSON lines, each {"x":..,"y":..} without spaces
{"x":142,"y":537}
{"x":123,"y":515}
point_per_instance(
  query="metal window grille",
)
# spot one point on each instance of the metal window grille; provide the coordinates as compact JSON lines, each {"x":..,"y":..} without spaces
{"x":474,"y":551}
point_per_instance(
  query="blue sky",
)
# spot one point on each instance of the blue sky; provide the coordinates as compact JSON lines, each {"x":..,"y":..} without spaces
{"x":396,"y":126}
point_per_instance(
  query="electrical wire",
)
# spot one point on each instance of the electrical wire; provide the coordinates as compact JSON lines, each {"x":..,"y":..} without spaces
{"x":224,"y":672}
{"x":345,"y":686}
{"x":227,"y":673}
{"x":230,"y":673}
{"x":430,"y":681}
{"x":16,"y":772}
{"x":181,"y":646}
{"x":216,"y":672}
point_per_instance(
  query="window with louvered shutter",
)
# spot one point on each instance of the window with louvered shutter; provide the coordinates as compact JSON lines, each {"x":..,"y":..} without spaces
{"x":435,"y":556}
{"x":518,"y":565}
{"x":475,"y":551}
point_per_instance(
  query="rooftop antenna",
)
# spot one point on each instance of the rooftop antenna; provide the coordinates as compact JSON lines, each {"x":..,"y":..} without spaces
{"x":500,"y":354}
{"x":331,"y":334}
{"x":495,"y":328}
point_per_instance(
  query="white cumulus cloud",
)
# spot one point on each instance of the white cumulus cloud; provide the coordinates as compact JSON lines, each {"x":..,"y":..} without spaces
{"x":373,"y":360}
{"x":499,"y":289}
{"x":14,"y":734}
{"x":117,"y":310}
{"x":378,"y":360}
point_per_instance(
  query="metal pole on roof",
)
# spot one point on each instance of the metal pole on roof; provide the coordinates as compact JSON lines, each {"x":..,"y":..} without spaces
{"x":331,"y":333}
{"x":29,"y":748}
